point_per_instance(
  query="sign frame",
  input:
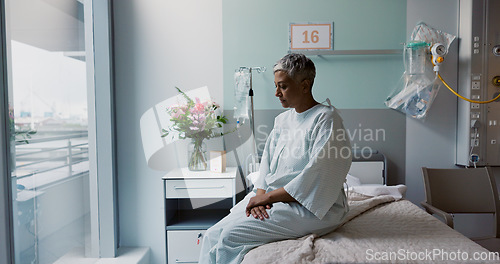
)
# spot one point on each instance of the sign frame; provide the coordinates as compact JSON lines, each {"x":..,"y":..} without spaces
{"x":319,"y":38}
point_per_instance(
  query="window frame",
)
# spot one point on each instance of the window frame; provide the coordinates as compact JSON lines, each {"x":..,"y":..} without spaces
{"x":6,"y":225}
{"x":103,"y":194}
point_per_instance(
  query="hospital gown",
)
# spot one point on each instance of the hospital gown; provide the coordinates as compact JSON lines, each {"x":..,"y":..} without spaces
{"x":309,"y":155}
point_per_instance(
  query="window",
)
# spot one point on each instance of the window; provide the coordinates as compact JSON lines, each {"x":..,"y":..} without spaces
{"x":53,"y":139}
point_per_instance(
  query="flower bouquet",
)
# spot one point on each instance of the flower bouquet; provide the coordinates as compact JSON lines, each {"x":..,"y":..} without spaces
{"x":198,"y":121}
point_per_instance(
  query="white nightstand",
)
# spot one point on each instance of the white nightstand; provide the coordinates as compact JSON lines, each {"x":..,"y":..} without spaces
{"x":185,"y":225}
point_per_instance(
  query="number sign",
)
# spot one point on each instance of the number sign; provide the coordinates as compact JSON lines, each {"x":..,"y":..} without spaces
{"x":311,"y":36}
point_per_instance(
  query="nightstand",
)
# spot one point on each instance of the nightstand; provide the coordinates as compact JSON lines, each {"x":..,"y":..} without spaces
{"x":185,"y":219}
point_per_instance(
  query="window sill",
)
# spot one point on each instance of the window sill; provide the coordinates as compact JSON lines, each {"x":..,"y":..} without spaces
{"x":126,"y":255}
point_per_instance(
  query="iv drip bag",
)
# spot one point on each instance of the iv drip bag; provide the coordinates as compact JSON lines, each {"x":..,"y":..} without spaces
{"x":241,"y":89}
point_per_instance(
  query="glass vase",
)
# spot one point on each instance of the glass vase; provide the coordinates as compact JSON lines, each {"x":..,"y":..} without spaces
{"x":197,"y":155}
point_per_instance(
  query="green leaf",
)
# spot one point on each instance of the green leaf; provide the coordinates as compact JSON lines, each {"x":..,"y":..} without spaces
{"x":185,"y":95}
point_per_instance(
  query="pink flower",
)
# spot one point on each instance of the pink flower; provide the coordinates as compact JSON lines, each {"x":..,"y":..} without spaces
{"x":199,"y":108}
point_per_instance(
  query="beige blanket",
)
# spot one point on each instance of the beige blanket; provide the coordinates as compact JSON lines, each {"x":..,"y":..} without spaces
{"x":377,"y":229}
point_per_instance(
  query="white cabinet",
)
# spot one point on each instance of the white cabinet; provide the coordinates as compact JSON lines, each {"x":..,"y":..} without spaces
{"x":185,"y":221}
{"x":184,"y":245}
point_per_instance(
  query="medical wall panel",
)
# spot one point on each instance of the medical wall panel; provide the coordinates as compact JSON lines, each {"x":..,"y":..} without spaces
{"x":478,"y":131}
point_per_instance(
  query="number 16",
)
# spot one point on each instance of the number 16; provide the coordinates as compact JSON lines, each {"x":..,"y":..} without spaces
{"x":314,"y":36}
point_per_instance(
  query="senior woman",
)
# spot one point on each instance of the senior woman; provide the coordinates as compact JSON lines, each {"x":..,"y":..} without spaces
{"x":303,"y":168}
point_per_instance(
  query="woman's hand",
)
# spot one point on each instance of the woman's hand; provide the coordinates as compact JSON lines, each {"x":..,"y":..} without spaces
{"x":258,"y":205}
{"x":263,"y":201}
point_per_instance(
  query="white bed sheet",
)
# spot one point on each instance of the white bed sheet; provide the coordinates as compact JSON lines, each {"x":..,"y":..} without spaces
{"x":377,"y":230}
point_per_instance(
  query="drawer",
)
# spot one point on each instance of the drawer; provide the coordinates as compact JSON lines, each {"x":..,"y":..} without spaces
{"x":199,"y":188}
{"x":183,"y":246}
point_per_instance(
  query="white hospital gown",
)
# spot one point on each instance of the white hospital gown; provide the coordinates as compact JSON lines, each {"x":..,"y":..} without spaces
{"x":309,"y":155}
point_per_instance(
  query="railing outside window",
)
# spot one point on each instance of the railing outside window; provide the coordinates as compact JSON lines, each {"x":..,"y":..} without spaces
{"x":51,"y":176}
{"x":53,"y":157}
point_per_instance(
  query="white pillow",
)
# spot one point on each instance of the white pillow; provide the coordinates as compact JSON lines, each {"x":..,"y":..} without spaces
{"x":398,"y":191}
{"x":352,"y":180}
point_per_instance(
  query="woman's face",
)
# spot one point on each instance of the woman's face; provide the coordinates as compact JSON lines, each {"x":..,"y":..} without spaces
{"x":290,"y":92}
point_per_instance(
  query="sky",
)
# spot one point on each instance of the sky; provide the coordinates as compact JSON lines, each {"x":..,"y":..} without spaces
{"x":45,"y":82}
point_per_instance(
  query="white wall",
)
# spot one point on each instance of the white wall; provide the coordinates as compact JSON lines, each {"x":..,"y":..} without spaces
{"x":432,"y":143}
{"x":157,"y":45}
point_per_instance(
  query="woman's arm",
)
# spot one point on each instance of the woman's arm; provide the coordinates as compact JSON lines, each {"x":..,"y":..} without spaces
{"x":261,"y":201}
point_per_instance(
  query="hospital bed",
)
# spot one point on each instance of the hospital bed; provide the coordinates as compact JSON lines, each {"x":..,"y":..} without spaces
{"x":381,"y":227}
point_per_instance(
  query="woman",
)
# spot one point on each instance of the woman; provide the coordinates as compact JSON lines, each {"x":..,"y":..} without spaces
{"x":300,"y":187}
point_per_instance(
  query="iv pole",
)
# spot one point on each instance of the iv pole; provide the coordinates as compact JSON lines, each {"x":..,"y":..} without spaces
{"x":252,"y":124}
{"x":252,"y":118}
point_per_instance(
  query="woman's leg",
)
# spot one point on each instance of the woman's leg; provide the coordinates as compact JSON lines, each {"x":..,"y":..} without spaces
{"x":229,"y":240}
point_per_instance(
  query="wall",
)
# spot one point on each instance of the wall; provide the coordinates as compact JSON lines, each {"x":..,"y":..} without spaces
{"x":157,"y":45}
{"x":258,"y":36}
{"x":432,"y":143}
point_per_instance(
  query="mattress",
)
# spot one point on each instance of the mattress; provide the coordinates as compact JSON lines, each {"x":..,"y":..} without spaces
{"x":378,"y":229}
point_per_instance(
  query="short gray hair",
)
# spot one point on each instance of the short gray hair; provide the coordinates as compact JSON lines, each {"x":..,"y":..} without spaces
{"x":297,"y":66}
